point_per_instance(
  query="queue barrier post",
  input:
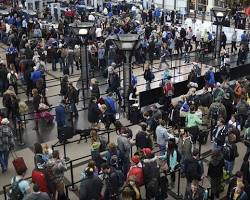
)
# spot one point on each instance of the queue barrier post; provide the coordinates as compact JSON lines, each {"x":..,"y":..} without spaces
{"x":179,"y":181}
{"x":21,"y":143}
{"x":73,"y":187}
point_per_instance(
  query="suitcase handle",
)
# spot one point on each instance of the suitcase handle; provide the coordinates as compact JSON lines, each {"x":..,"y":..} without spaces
{"x":14,"y":155}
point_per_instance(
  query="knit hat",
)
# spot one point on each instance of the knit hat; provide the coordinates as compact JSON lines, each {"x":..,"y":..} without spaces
{"x":135,"y":159}
{"x":147,"y":151}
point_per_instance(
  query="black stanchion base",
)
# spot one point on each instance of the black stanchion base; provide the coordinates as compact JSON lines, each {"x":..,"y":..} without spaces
{"x":73,"y":188}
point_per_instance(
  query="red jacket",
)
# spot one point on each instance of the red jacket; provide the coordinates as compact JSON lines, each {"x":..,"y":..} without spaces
{"x":138,"y":173}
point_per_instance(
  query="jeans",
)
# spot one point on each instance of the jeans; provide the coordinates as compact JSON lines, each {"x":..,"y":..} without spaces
{"x":4,"y":157}
{"x":162,"y":149}
{"x":229,"y":165}
{"x":54,"y":64}
{"x":62,"y":63}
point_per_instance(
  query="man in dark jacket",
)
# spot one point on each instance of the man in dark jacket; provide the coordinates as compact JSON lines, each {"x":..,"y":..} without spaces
{"x":93,"y":111}
{"x":192,"y":169}
{"x":114,"y":83}
{"x":151,"y":173}
{"x":111,"y":181}
{"x":3,"y":78}
{"x":142,"y":138}
{"x":90,"y":187}
{"x":73,"y":98}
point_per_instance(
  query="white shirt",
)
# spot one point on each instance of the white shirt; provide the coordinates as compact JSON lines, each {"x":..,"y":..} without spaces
{"x":24,"y":24}
{"x":91,"y":17}
{"x":98,"y":32}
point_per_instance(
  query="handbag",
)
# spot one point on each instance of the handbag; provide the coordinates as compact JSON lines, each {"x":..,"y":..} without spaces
{"x":18,"y":162}
{"x":43,"y":106}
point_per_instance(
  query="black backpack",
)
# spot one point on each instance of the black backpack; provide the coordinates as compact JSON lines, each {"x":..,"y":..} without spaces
{"x":153,"y":188}
{"x":14,"y":192}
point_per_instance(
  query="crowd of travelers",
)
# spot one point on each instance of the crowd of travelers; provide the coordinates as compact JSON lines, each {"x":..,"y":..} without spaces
{"x":220,"y":112}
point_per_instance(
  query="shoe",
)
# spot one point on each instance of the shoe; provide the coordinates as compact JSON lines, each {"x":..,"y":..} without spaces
{"x":212,"y":141}
{"x":4,"y":170}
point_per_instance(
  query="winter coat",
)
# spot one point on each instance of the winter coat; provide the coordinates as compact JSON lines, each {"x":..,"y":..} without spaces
{"x":215,"y":167}
{"x":150,"y":169}
{"x":90,"y":188}
{"x":142,"y":140}
{"x":93,"y":113}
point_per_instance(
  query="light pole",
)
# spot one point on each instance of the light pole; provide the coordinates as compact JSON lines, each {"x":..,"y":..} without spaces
{"x":126,"y":43}
{"x":82,"y":30}
{"x":220,"y":16}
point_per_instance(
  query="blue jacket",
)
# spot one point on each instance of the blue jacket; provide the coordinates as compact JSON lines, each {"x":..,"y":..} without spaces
{"x":110,"y":103}
{"x":36,"y":75}
{"x":60,"y":115}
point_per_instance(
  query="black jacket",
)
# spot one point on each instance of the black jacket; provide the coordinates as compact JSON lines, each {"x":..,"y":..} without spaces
{"x":93,"y":112}
{"x":215,"y":168}
{"x":220,"y":137}
{"x":142,"y":140}
{"x":150,"y":169}
{"x":90,"y":188}
{"x":192,"y":169}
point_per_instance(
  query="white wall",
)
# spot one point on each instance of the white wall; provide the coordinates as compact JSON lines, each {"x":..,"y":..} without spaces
{"x":207,"y":26}
{"x":169,"y":4}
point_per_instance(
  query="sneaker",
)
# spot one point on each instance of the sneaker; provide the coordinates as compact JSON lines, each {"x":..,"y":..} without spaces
{"x":212,"y":141}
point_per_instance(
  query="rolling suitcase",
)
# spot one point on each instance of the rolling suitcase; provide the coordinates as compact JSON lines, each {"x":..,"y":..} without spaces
{"x":18,"y":162}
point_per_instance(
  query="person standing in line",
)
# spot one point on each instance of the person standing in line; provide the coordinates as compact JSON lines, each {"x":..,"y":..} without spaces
{"x":148,"y":76}
{"x":234,"y":41}
{"x":215,"y":172}
{"x":37,"y":194}
{"x":162,"y":136}
{"x":6,"y":143}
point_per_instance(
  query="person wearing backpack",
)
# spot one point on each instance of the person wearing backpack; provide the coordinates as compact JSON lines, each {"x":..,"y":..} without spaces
{"x":151,"y":173}
{"x":20,"y":187}
{"x":6,"y":143}
{"x":192,"y":169}
{"x":112,"y":181}
{"x":242,"y":110}
{"x":136,"y":170}
{"x":91,"y":185}
{"x":230,"y":152}
{"x":215,"y":172}
{"x":12,"y":79}
{"x":56,"y":168}
{"x":73,"y":98}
